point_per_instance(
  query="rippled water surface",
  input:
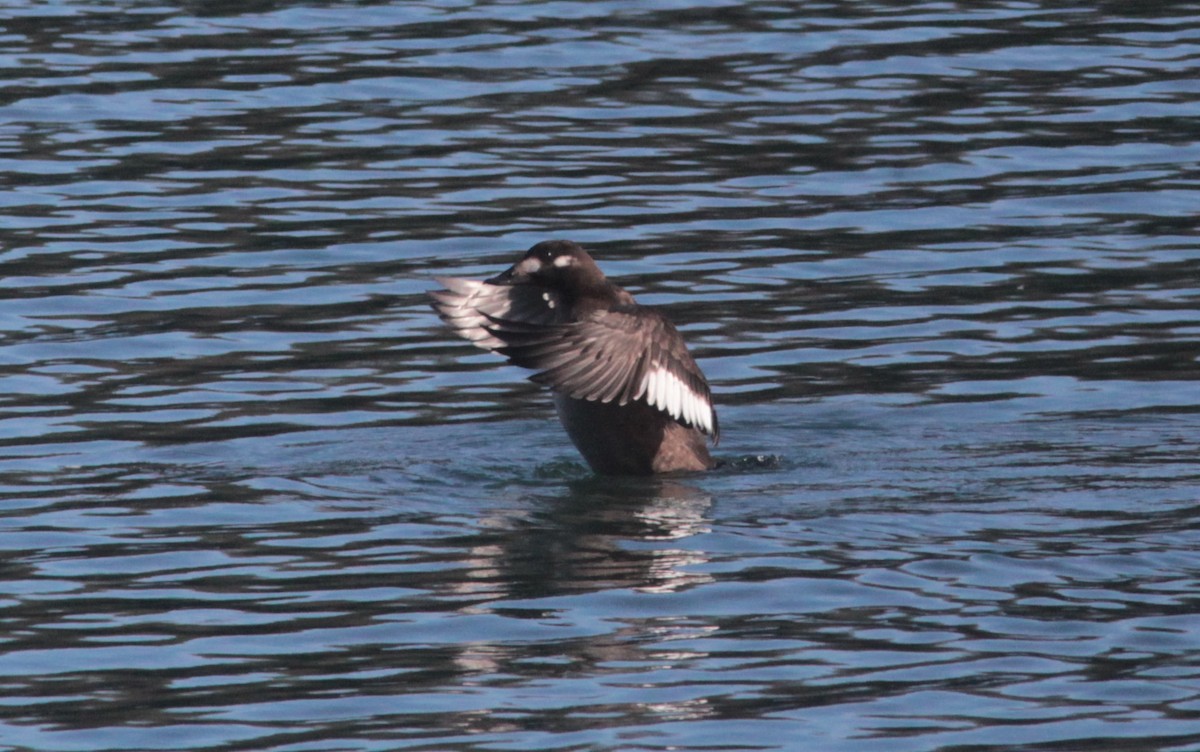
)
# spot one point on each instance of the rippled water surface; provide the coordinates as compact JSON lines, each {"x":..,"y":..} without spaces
{"x":939,"y":261}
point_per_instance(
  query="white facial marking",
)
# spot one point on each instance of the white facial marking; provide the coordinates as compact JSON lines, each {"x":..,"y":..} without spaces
{"x":549,"y":299}
{"x":561,"y":261}
{"x":530,"y":265}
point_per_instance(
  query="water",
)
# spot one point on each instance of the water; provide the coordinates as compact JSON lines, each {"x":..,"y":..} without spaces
{"x":940,"y":263}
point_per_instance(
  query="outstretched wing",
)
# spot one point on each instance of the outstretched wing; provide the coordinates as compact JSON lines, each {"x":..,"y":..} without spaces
{"x":615,"y":355}
{"x":470,"y":306}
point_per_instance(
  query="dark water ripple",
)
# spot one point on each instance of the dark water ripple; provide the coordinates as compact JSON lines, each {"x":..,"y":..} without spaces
{"x":939,"y":261}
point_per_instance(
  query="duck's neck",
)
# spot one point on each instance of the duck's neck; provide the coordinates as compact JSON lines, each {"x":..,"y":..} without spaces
{"x":595,"y":295}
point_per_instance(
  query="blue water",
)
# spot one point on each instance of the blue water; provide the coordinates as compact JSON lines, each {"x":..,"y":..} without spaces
{"x":939,"y":262}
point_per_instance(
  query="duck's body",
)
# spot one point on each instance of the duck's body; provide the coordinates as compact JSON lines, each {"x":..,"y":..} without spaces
{"x":627,"y":391}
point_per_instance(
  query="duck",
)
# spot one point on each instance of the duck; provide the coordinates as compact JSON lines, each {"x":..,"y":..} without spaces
{"x":625,"y":387}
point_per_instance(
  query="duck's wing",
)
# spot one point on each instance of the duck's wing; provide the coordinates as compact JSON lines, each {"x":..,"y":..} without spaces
{"x":472,"y":306}
{"x":617,"y":355}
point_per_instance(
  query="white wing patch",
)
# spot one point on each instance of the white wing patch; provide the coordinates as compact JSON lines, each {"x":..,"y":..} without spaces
{"x":666,"y":391}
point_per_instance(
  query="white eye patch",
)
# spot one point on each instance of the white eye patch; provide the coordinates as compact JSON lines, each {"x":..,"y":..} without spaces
{"x":530,"y":265}
{"x":561,"y":261}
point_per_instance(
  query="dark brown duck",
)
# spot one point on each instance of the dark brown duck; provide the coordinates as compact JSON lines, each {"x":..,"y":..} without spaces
{"x":627,"y":391}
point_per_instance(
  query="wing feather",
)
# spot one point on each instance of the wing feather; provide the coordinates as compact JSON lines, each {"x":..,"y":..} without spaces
{"x":620,"y":354}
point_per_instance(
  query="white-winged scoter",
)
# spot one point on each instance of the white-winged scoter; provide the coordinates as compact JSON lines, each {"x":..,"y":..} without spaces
{"x":627,"y":391}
